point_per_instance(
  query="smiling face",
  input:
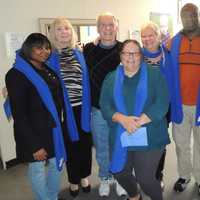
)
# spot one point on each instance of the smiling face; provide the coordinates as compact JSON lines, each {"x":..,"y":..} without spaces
{"x":107,"y":29}
{"x":190,"y":17}
{"x":63,"y":34}
{"x":39,"y":55}
{"x":36,"y":49}
{"x":131,"y":57}
{"x":150,"y":39}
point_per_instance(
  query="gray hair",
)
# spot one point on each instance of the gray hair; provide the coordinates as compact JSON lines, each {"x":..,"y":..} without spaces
{"x":105,"y":14}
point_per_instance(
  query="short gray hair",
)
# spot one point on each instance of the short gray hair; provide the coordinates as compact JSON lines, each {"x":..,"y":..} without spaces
{"x":104,"y":15}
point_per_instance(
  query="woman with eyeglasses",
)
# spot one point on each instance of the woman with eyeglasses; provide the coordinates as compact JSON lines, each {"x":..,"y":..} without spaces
{"x":134,"y":101}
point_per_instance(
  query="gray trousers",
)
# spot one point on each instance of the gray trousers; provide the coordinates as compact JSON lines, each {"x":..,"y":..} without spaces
{"x":145,"y":164}
{"x":182,"y":135}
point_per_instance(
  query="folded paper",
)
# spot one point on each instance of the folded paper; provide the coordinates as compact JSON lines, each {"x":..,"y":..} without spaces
{"x":137,"y":138}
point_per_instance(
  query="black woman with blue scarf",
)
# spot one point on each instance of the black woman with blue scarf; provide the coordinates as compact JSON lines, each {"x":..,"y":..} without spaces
{"x":38,"y":105}
{"x":73,"y":72}
{"x":134,"y":101}
{"x":156,"y":55}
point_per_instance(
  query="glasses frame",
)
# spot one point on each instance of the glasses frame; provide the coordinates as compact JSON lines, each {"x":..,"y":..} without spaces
{"x":131,"y":54}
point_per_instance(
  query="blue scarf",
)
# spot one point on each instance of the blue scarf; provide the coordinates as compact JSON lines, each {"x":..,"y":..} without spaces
{"x":149,"y":54}
{"x":168,"y":71}
{"x":120,"y":153}
{"x":7,"y":109}
{"x":175,"y":49}
{"x":86,"y":100}
{"x":54,"y":64}
{"x":45,"y":94}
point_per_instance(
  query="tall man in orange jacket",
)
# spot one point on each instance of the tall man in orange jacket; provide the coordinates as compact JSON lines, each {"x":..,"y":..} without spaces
{"x":185,"y":51}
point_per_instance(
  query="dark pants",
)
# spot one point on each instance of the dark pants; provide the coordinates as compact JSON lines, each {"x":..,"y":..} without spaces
{"x":79,"y":153}
{"x":145,"y":164}
{"x":159,"y":172}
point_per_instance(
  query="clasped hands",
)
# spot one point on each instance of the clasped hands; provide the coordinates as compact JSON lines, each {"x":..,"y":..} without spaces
{"x":40,"y":155}
{"x":130,"y":123}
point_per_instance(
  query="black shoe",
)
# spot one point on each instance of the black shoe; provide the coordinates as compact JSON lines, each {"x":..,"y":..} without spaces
{"x":198,"y":188}
{"x":73,"y":193}
{"x":181,"y":184}
{"x":86,"y":189}
{"x":139,"y":198}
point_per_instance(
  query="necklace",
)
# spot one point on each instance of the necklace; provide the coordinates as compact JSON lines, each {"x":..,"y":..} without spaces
{"x":50,"y":74}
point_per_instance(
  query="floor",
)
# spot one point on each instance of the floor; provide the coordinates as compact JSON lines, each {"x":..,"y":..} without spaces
{"x":14,"y":185}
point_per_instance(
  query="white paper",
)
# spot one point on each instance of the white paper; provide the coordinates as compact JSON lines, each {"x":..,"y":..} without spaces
{"x":14,"y":42}
{"x":137,"y":138}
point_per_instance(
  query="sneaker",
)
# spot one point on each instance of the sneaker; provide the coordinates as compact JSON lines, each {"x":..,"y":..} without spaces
{"x":111,"y":180}
{"x":120,"y":190}
{"x":181,"y":184}
{"x":104,"y":188}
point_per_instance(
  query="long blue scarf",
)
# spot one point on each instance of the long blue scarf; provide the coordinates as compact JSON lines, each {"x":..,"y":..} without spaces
{"x":168,"y":71}
{"x":149,"y":54}
{"x":54,"y":64}
{"x":161,"y":51}
{"x":7,"y":109}
{"x":175,"y":50}
{"x":46,"y":96}
{"x":119,"y":155}
{"x":86,"y":100}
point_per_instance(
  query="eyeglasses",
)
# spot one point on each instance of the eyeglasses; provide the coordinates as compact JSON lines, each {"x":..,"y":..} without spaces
{"x":130,"y":54}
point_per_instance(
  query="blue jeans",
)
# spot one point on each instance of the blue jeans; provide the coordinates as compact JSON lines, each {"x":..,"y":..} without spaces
{"x":45,"y":179}
{"x":100,"y":133}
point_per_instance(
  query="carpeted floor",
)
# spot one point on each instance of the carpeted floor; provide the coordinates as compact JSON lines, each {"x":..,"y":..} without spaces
{"x":14,"y":184}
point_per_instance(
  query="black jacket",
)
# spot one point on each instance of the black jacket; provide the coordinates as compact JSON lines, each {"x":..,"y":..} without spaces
{"x":32,"y":122}
{"x":100,"y":62}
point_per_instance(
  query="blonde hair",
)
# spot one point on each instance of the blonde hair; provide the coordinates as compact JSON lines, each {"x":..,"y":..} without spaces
{"x":106,"y":14}
{"x":58,"y":22}
{"x":152,"y":26}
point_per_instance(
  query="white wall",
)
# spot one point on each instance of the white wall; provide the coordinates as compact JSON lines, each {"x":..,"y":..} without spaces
{"x":22,"y":16}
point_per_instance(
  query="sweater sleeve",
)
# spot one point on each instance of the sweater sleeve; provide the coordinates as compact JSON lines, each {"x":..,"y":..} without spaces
{"x":106,"y":98}
{"x":159,"y":106}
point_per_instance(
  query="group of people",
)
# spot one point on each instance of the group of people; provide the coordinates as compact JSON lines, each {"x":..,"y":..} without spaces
{"x":118,"y":96}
